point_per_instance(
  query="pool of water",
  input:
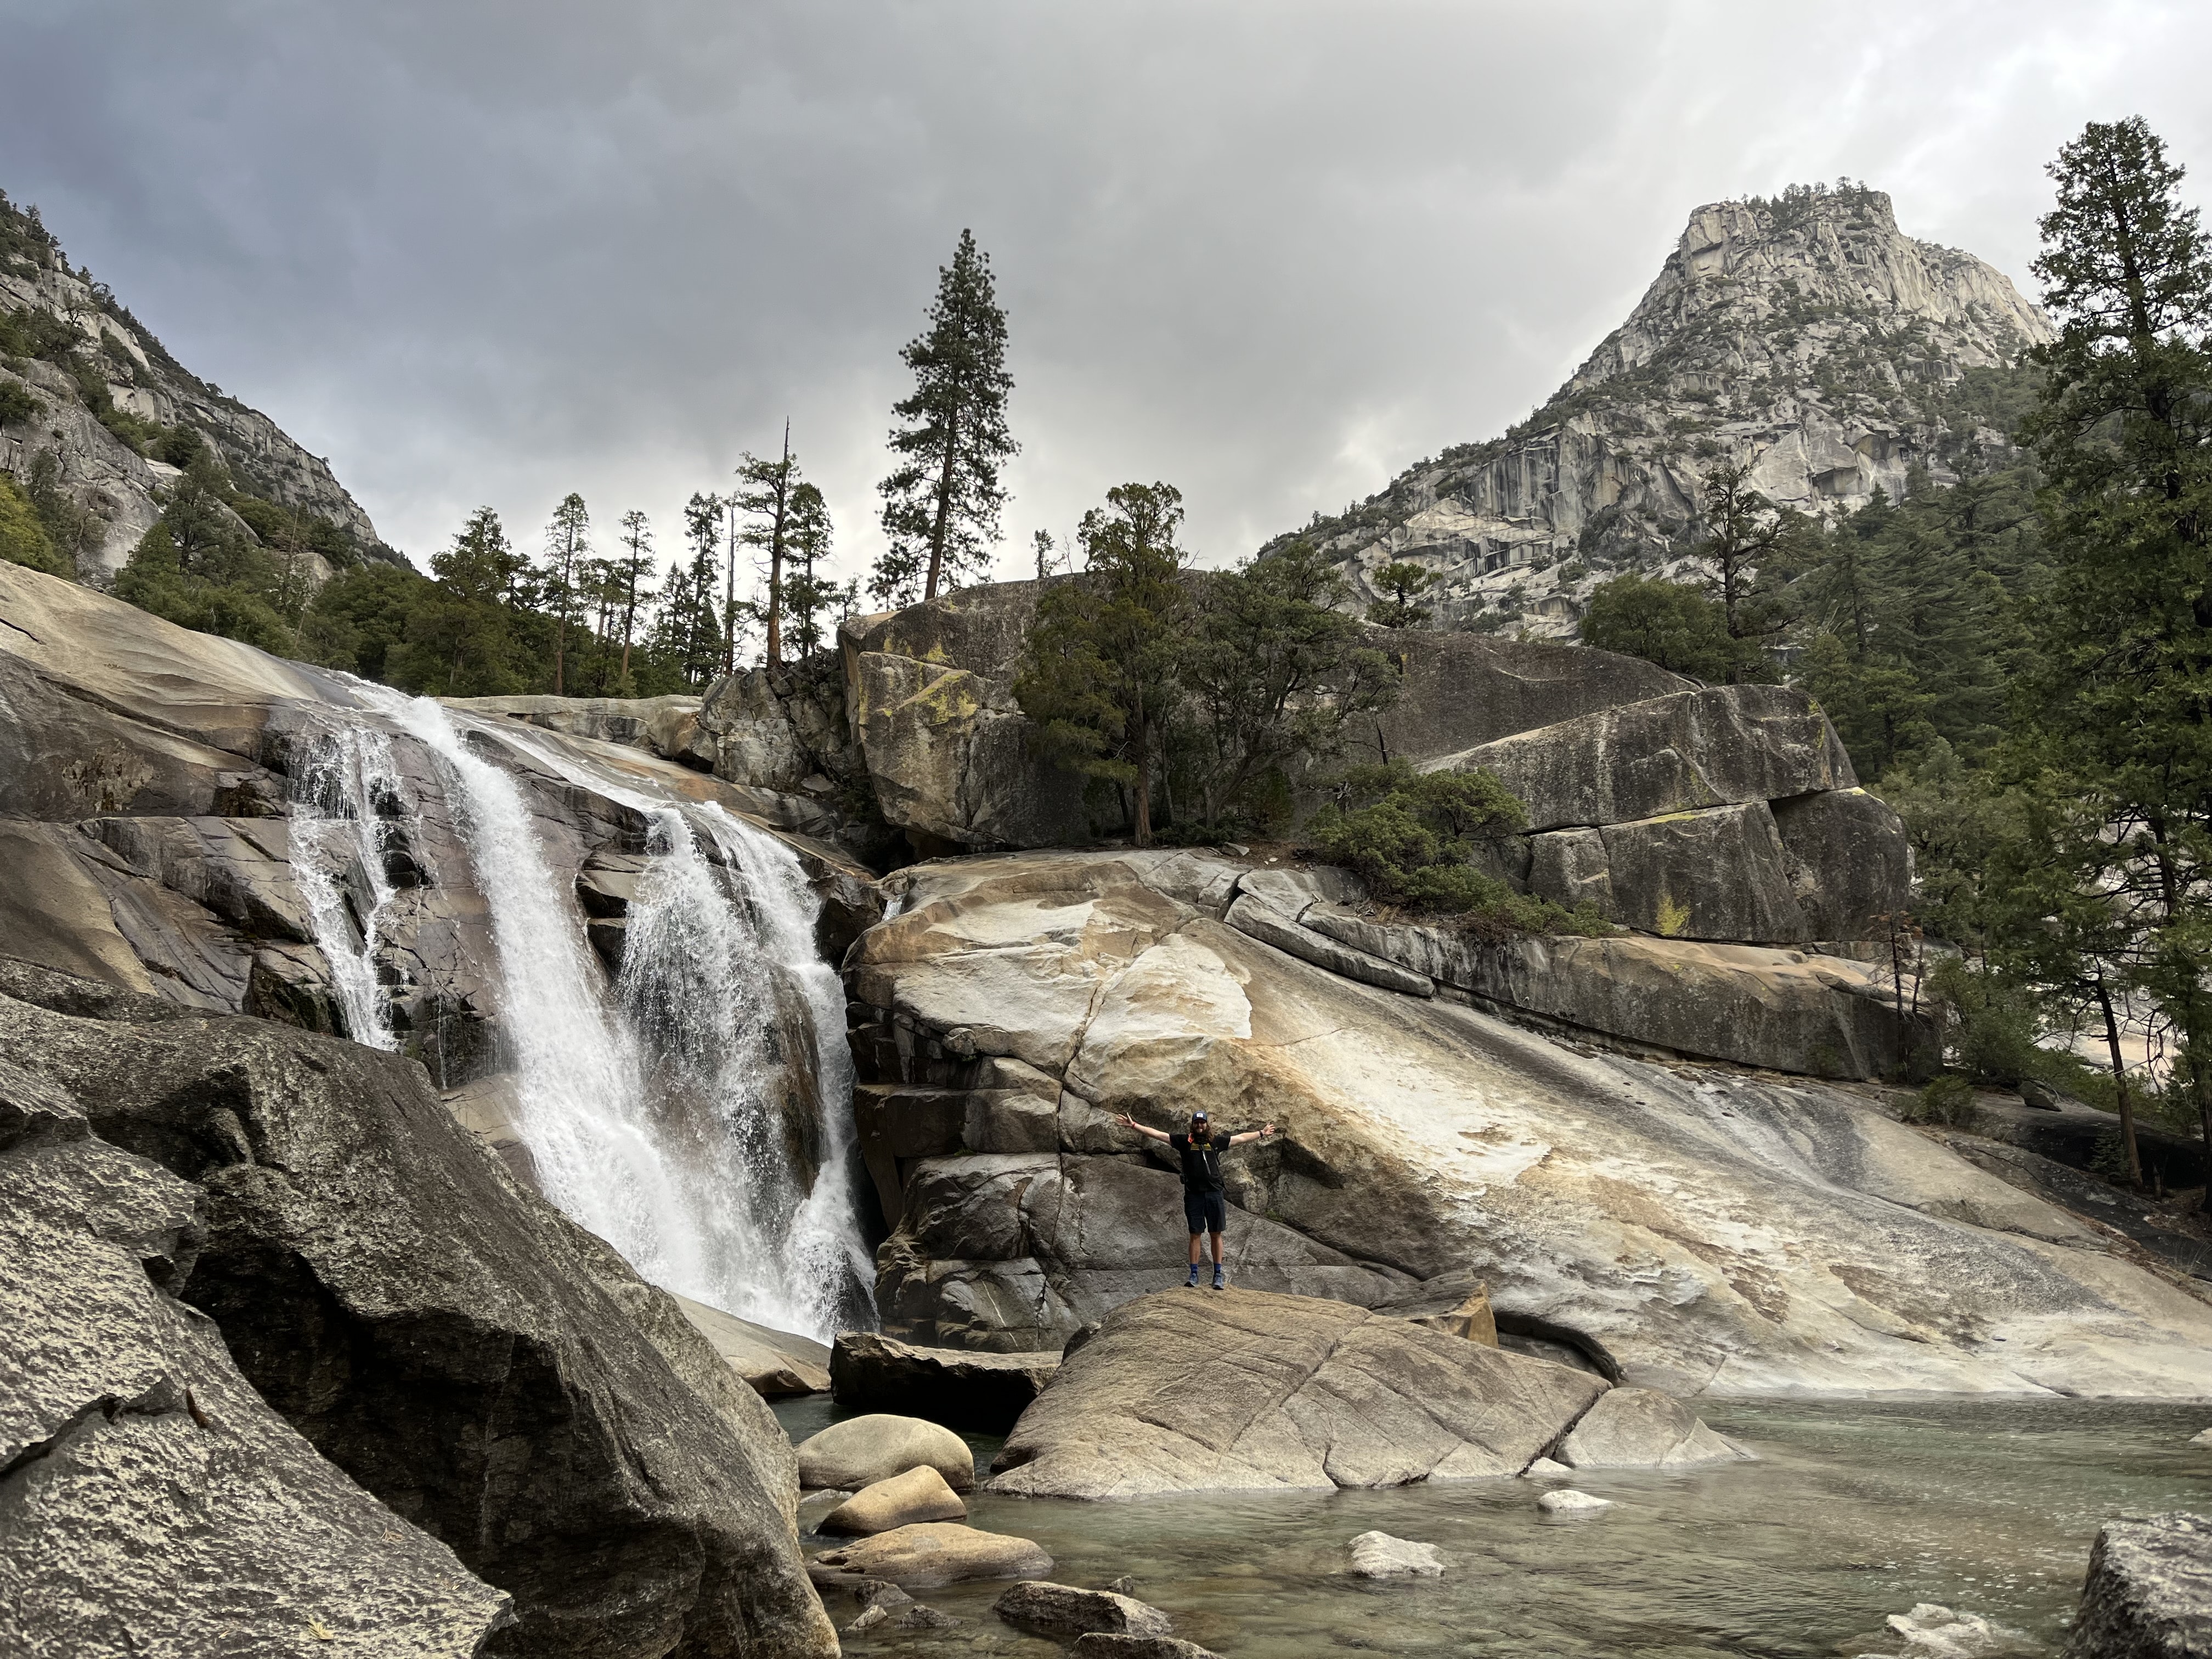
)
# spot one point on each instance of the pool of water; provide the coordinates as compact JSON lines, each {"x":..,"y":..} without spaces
{"x":1855,"y":1510}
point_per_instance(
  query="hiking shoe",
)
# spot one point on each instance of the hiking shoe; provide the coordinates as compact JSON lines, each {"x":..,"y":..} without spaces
{"x":1191,"y":1283}
{"x":1221,"y":1280}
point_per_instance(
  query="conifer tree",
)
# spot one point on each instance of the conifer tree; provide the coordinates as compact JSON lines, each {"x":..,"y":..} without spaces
{"x":567,"y":540}
{"x":942,"y":499}
{"x":806,"y":592}
{"x":2124,"y":634}
{"x":636,"y":561}
{"x":699,"y":640}
{"x":763,"y":495}
{"x":1101,"y":671}
{"x":1405,"y":584}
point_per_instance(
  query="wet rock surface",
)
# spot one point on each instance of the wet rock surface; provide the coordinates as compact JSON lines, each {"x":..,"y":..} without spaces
{"x":1065,"y":1611}
{"x":1378,"y":1555}
{"x":2149,"y":1594}
{"x":1641,"y":1428}
{"x":494,"y":1375}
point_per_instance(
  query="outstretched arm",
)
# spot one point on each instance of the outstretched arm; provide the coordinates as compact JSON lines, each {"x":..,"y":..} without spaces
{"x":1147,"y":1130}
{"x":1251,"y":1134}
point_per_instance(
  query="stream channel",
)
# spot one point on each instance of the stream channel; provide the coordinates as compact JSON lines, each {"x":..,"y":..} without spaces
{"x":1857,"y":1510}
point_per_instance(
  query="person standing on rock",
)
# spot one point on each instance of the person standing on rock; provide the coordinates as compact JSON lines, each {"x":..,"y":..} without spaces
{"x":1203,"y":1206}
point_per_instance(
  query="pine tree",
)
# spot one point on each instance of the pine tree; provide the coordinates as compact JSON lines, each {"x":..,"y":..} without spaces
{"x":567,"y":540}
{"x":636,"y":561}
{"x":699,"y":644}
{"x":1100,"y":675}
{"x":941,"y":503}
{"x":807,"y":591}
{"x":1405,"y":584}
{"x":1745,"y":542}
{"x":763,"y":495}
{"x":2124,"y":633}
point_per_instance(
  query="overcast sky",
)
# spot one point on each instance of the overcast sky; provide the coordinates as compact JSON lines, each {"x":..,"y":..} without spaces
{"x":1270,"y":252}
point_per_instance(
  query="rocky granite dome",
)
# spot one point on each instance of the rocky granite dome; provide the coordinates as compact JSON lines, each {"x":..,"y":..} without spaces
{"x":1806,"y":338}
{"x":101,"y":384}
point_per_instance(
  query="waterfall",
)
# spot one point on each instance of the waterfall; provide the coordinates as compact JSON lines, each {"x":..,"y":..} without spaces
{"x":696,"y":1114}
{"x":345,"y":792}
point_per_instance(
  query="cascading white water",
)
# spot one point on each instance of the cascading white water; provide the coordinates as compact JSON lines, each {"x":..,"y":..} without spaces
{"x":698,"y":1118}
{"x":342,"y":791}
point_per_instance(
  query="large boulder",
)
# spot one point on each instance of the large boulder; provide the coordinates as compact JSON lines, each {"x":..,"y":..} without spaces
{"x":773,"y":1362}
{"x":899,"y":1500}
{"x":965,"y":1388}
{"x":1849,"y":863}
{"x":862,"y":1450}
{"x":1458,"y":690}
{"x":929,"y":690}
{"x":1690,"y":1229}
{"x":1214,"y":1392}
{"x":1641,"y":1428}
{"x":2149,"y":1594}
{"x":152,"y":1502}
{"x":495,"y":1376}
{"x":934,"y":1552}
{"x":1715,"y":874}
{"x":1716,"y":747}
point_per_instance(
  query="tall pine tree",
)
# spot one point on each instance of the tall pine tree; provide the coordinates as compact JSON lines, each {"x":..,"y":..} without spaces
{"x":942,"y":500}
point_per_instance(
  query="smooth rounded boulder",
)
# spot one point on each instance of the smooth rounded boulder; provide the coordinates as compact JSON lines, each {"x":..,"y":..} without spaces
{"x":934,"y":1552}
{"x":920,"y":1494}
{"x":1641,"y":1428}
{"x":1378,"y":1555}
{"x":862,"y":1450}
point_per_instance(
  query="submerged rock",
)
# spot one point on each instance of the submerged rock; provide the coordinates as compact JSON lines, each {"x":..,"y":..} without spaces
{"x":1567,"y":1501}
{"x":918,"y":1495}
{"x":2149,"y":1593}
{"x":1271,"y":1391}
{"x":931,"y":1553}
{"x":1062,"y":1612}
{"x":862,"y":1450}
{"x":1641,"y":1428}
{"x":1103,"y":1645}
{"x":1378,"y":1555}
{"x":153,"y":1503}
{"x":496,"y":1376}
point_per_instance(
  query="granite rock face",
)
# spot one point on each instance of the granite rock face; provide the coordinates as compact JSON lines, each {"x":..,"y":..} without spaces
{"x":106,"y":477}
{"x":965,"y":1388}
{"x":1805,"y":338}
{"x":1242,"y":1390}
{"x":1641,"y":1428}
{"x":2148,"y":1595}
{"x":1681,"y":1228}
{"x":493,"y":1374}
{"x":152,"y":1502}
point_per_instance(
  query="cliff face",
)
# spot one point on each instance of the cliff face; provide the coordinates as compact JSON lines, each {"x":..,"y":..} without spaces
{"x":104,"y":394}
{"x":1807,"y":338}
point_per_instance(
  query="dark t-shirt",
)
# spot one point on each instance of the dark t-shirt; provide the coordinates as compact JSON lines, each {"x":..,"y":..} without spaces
{"x":1202,"y":1159}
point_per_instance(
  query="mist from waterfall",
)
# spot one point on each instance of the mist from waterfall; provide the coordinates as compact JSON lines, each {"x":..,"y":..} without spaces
{"x":695,"y":1113}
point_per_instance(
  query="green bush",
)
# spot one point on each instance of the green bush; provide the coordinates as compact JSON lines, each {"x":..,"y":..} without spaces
{"x":1948,"y":1100}
{"x":1418,"y":840}
{"x":23,"y":539}
{"x":18,"y":404}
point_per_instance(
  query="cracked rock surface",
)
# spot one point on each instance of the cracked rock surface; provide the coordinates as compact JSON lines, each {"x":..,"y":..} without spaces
{"x":1688,"y":1229}
{"x":149,"y":1501}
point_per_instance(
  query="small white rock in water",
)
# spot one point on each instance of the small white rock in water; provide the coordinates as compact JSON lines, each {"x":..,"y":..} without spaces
{"x":1568,"y":1501}
{"x":2203,"y":1438}
{"x":1378,"y":1555}
{"x":1930,"y":1631}
{"x":1544,"y":1469}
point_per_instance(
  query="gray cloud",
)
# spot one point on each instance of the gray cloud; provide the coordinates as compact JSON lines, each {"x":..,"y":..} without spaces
{"x":1271,"y":252}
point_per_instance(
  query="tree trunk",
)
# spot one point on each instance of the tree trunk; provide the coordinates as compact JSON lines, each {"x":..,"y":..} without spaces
{"x":944,"y":508}
{"x":730,"y":596}
{"x":2120,"y":1080}
{"x":774,"y":652}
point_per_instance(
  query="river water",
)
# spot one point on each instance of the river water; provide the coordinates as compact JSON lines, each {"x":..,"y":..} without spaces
{"x":1855,"y":1510}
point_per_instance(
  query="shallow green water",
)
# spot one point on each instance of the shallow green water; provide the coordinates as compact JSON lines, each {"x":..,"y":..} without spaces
{"x":1857,"y":1510}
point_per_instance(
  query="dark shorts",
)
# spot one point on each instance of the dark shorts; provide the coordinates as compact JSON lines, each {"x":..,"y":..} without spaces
{"x":1207,"y":1212}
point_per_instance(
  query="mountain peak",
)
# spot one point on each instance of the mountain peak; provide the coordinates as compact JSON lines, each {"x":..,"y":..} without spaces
{"x":1803,"y":336}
